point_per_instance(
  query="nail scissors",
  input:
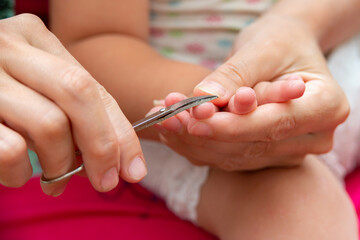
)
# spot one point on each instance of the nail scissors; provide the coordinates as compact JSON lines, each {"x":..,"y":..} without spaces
{"x":159,"y":116}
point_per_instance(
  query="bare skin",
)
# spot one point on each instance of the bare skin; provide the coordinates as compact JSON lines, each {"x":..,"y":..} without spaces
{"x":304,"y":202}
{"x":239,"y":212}
{"x":52,"y":105}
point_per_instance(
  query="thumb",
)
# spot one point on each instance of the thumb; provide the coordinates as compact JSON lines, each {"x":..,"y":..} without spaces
{"x":246,"y":67}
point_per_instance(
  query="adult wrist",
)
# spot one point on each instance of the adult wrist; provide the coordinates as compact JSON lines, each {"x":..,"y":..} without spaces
{"x":278,"y":30}
{"x":330,"y":21}
{"x":292,"y":23}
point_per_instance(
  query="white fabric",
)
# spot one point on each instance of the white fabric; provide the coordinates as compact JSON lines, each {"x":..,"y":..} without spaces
{"x":173,"y":178}
{"x":344,"y":64}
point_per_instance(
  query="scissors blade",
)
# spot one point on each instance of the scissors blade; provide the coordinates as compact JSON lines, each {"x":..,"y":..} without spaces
{"x":170,"y":111}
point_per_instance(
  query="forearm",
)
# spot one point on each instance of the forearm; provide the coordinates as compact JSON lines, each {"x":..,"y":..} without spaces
{"x":110,"y":39}
{"x":330,"y":21}
{"x":133,"y":72}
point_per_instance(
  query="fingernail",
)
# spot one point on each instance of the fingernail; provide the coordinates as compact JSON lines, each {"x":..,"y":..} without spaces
{"x":200,"y":129}
{"x":296,"y":83}
{"x":157,"y":103}
{"x":294,"y":77}
{"x":137,"y":169}
{"x":246,"y":90}
{"x":149,"y":113}
{"x":58,"y":191}
{"x":212,"y":88}
{"x":153,"y":110}
{"x":110,"y":179}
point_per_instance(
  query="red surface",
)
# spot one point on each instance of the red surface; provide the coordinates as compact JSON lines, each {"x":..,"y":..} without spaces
{"x":37,"y":7}
{"x":32,"y":6}
{"x":353,"y":188}
{"x":128,"y":212}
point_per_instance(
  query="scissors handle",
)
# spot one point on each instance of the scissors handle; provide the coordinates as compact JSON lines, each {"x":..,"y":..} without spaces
{"x":137,"y":127}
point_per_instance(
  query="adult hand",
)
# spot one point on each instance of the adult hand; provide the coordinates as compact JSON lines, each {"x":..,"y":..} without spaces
{"x":51,"y":104}
{"x":275,"y":133}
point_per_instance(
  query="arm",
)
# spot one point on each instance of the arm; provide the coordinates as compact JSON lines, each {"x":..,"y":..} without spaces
{"x":330,"y":21}
{"x":113,"y":47}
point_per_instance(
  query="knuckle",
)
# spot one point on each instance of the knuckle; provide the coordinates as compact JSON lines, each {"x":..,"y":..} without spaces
{"x":54,"y":124}
{"x":282,"y":128}
{"x":105,"y":150}
{"x":108,"y":101}
{"x":30,"y":19}
{"x":21,"y":21}
{"x":102,"y":91}
{"x":32,"y":22}
{"x":235,"y":72}
{"x":12,"y":151}
{"x":333,"y":103}
{"x":21,"y":29}
{"x":78,"y":82}
{"x":256,"y":150}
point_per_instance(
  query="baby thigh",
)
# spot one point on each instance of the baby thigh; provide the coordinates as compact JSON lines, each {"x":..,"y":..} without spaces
{"x":304,"y":202}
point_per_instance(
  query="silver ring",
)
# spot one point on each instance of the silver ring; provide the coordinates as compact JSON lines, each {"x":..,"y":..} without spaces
{"x":66,"y":175}
{"x":45,"y":180}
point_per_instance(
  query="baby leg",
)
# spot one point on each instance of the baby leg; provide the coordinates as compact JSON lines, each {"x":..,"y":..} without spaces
{"x":304,"y":202}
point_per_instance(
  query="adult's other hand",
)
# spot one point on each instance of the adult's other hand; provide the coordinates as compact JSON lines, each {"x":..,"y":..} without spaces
{"x":275,"y":134}
{"x":52,"y":105}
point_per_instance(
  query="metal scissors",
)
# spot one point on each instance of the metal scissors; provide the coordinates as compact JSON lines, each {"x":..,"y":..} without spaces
{"x":159,"y":116}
